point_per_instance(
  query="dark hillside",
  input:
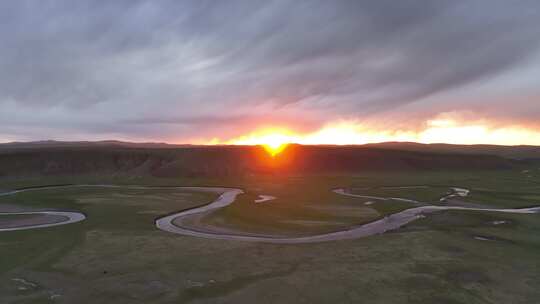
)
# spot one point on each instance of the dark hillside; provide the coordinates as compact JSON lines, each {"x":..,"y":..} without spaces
{"x":515,"y":152}
{"x":231,"y":160}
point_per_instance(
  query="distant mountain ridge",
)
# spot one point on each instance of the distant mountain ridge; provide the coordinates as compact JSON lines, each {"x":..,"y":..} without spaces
{"x":515,"y":152}
{"x":56,"y":143}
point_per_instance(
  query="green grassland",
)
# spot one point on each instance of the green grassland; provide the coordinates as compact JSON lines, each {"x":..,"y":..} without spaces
{"x":118,"y":256}
{"x":428,"y":194}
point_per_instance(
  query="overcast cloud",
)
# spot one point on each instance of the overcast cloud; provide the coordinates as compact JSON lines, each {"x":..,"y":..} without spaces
{"x":180,"y":70}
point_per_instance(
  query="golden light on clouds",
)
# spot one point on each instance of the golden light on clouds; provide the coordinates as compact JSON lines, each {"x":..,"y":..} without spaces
{"x":352,"y":133}
{"x":448,"y":131}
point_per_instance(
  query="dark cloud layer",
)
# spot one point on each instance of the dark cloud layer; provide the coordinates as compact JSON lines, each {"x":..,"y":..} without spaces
{"x":154,"y":69}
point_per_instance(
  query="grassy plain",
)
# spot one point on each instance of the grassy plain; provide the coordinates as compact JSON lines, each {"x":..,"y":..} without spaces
{"x":118,"y":256}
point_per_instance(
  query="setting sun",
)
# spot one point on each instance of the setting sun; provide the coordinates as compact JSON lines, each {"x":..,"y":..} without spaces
{"x":274,"y":148}
{"x":274,"y":143}
{"x":273,"y":140}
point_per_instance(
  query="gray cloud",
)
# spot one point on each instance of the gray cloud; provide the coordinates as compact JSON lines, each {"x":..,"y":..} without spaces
{"x":123,"y":67}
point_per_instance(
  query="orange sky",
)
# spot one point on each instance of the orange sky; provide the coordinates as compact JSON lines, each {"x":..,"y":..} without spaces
{"x":352,"y":132}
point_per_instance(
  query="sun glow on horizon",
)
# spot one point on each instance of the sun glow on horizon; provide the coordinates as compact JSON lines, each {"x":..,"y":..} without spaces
{"x":275,"y":139}
{"x":274,"y":148}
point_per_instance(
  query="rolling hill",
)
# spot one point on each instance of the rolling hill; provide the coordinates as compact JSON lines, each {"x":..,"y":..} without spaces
{"x":148,"y":159}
